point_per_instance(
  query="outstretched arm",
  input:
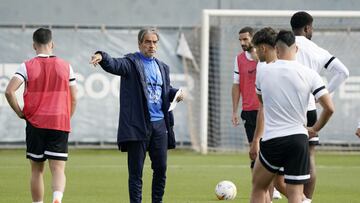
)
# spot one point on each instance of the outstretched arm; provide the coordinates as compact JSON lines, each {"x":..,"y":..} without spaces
{"x":116,"y":66}
{"x":14,"y":85}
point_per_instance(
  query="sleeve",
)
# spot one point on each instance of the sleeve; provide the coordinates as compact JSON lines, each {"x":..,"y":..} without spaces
{"x":258,"y":78}
{"x":317,"y":85}
{"x":116,"y":66}
{"x":324,"y":57}
{"x":72,"y":79}
{"x":339,"y":74}
{"x":172,"y":93}
{"x":236,"y":77}
{"x":21,"y":72}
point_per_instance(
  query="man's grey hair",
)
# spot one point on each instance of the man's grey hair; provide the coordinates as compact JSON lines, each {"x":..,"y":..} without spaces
{"x":144,"y":31}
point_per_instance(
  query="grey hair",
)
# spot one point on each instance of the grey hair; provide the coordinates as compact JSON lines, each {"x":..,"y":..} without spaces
{"x":144,"y":31}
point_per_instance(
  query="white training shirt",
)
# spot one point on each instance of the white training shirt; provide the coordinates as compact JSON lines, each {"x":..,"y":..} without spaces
{"x":317,"y":58}
{"x":236,"y":77}
{"x":285,"y":87}
{"x":21,"y":72}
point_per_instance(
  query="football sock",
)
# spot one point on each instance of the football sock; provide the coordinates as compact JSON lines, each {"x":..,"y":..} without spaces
{"x":57,"y":197}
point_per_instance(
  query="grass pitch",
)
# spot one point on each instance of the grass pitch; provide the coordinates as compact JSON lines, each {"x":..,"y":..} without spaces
{"x":101,"y":176}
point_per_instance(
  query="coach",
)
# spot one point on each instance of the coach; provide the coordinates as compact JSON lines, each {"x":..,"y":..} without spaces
{"x":145,"y":123}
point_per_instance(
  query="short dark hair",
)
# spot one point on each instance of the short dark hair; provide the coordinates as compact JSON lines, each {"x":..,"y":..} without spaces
{"x":301,"y":19}
{"x":42,"y":36}
{"x":266,"y":35}
{"x":286,"y":37}
{"x":246,"y":29}
{"x":145,"y":31}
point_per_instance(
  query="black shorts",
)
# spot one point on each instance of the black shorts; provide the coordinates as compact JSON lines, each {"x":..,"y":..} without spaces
{"x":249,"y":119}
{"x":291,"y":153}
{"x":311,"y":120}
{"x":42,"y":144}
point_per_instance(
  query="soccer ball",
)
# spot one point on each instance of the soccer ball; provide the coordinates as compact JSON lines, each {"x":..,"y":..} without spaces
{"x":225,"y":190}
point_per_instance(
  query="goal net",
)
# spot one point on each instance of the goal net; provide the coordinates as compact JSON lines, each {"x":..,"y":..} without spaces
{"x":336,"y":31}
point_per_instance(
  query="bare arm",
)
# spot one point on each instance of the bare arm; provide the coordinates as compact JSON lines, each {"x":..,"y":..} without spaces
{"x":328,"y":109}
{"x":14,"y":85}
{"x":235,"y":103}
{"x":259,"y":131}
{"x":73,"y":93}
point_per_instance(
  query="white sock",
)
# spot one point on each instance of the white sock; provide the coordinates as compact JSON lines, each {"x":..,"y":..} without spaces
{"x":306,"y":200}
{"x":57,"y":195}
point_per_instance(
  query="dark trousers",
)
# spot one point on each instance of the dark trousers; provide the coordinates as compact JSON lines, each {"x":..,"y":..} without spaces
{"x":157,"y":147}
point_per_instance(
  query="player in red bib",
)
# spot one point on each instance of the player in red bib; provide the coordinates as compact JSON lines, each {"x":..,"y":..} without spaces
{"x":49,"y":103}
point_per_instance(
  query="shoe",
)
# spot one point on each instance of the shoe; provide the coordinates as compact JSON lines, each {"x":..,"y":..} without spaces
{"x":276,"y":194}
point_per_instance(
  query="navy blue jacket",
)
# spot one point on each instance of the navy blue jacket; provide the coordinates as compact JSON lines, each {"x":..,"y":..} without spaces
{"x":134,"y":119}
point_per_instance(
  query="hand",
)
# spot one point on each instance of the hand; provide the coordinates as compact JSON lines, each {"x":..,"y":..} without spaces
{"x":254,"y":150}
{"x":312,"y":132}
{"x":235,"y":119}
{"x":181,"y":96}
{"x":95,"y":59}
{"x":358,"y":132}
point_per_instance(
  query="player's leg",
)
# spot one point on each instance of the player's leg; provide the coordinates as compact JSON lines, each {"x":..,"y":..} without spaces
{"x":136,"y":158}
{"x":294,"y":192}
{"x":158,"y":155}
{"x":296,"y":166}
{"x":56,"y":151}
{"x":279,"y":183}
{"x":37,"y":181}
{"x":261,"y":180}
{"x":309,"y":187}
{"x":266,"y":165}
{"x":35,"y":145}
{"x":269,"y":193}
{"x":249,"y":120}
{"x":57,"y":168}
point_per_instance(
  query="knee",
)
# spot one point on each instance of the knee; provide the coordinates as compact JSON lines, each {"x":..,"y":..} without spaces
{"x":37,"y":168}
{"x":57,"y":166}
{"x":159,"y":169}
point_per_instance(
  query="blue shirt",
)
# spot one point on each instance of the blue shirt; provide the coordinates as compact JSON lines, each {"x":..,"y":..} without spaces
{"x":154,"y":87}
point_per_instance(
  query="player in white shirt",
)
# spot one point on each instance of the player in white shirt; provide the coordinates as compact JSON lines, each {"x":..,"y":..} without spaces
{"x":264,"y":43}
{"x":316,"y":58}
{"x":285,"y":139}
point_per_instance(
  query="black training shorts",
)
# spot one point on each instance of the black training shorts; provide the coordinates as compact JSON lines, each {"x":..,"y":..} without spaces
{"x":42,"y":144}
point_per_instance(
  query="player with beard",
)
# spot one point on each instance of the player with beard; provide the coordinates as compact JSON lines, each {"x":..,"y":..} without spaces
{"x":244,"y":85}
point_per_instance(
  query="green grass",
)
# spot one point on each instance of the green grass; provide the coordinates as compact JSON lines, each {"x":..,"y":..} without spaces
{"x":101,"y":176}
